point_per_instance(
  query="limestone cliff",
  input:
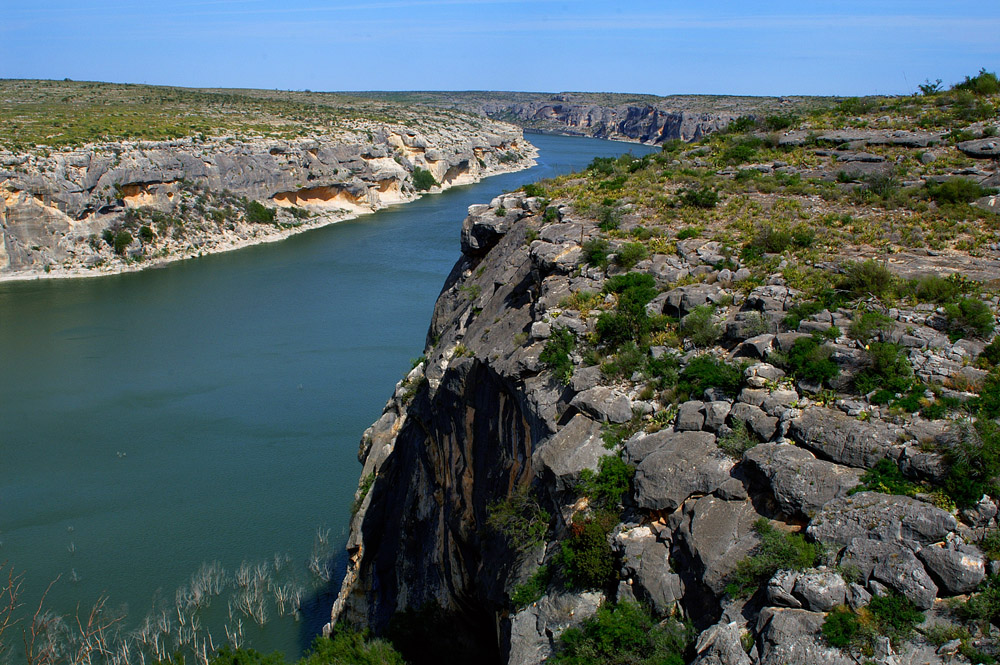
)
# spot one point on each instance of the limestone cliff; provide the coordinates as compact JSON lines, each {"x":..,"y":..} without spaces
{"x":724,"y":342}
{"x":125,"y":205}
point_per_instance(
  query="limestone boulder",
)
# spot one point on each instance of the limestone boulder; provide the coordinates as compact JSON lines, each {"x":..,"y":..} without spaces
{"x":800,"y":483}
{"x":884,"y":517}
{"x":678,"y":468}
{"x":839,"y":438}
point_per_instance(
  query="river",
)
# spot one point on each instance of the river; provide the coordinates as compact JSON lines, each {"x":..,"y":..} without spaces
{"x":210,"y":410}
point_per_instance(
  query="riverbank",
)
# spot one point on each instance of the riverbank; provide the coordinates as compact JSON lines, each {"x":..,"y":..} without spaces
{"x":248,"y":235}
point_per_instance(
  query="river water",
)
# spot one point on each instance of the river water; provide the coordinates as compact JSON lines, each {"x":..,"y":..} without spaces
{"x":210,"y":411}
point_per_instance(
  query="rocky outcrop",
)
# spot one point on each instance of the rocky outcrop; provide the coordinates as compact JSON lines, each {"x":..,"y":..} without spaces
{"x":647,"y":123}
{"x":189,"y":194}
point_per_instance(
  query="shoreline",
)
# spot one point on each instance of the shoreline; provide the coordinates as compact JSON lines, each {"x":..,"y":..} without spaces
{"x":273,"y":234}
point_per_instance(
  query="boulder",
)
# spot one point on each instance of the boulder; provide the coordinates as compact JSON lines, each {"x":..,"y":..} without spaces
{"x":793,"y":637}
{"x":800,"y":483}
{"x":646,"y":564}
{"x":779,"y":589}
{"x":721,"y":645}
{"x":575,"y":447}
{"x":988,"y":148}
{"x":842,"y":439}
{"x":604,"y":404}
{"x":884,"y":517}
{"x":958,"y":570}
{"x":690,"y":416}
{"x":820,"y":591}
{"x":712,"y":537}
{"x":535,"y":629}
{"x":678,"y":468}
{"x":680,"y":301}
{"x":758,"y":422}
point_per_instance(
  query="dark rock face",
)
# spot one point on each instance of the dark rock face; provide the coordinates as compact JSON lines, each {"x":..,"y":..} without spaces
{"x":645,"y":123}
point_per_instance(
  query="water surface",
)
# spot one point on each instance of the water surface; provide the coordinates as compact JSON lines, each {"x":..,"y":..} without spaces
{"x":211,"y":410}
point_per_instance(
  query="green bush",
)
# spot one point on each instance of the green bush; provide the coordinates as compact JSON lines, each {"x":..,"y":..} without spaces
{"x":934,"y":288}
{"x":423,"y":179}
{"x":956,"y":190}
{"x":689,"y":232}
{"x":629,"y":359}
{"x":869,"y":324}
{"x":256,"y":213}
{"x":520,"y":519}
{"x":705,"y":372}
{"x":629,"y":322}
{"x":778,"y":550}
{"x":973,"y":462}
{"x":145,"y":234}
{"x":809,"y":359}
{"x":737,"y":441}
{"x":555,"y":355}
{"x":983,"y":607}
{"x":888,"y":368}
{"x":700,"y":327}
{"x":742,"y":124}
{"x":983,"y":83}
{"x":987,"y":403}
{"x":585,"y":558}
{"x":868,"y":278}
{"x":344,"y":647}
{"x":892,"y":616}
{"x":991,"y":354}
{"x":595,"y":252}
{"x":624,"y":633}
{"x":703,"y":197}
{"x":630,"y":254}
{"x":609,"y":484}
{"x":841,"y":627}
{"x":533,"y":189}
{"x":769,"y":240}
{"x":122,"y":240}
{"x":885,"y":477}
{"x":741,"y":152}
{"x":609,"y":218}
{"x":533,"y":589}
{"x":970,"y":316}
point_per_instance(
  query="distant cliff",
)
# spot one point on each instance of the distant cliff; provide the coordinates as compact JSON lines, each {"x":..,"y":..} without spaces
{"x":125,"y":205}
{"x":645,"y":123}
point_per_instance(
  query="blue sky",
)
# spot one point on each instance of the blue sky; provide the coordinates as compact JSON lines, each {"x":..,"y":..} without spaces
{"x":764,"y":48}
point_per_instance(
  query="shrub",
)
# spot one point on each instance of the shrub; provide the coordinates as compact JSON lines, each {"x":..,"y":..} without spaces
{"x":628,"y":360}
{"x":520,"y":519}
{"x":983,"y":83}
{"x":595,"y":252}
{"x":623,"y":633}
{"x":777,"y":551}
{"x":973,"y":462}
{"x":934,"y":288}
{"x":689,"y":232}
{"x":895,"y":616}
{"x":841,"y":627}
{"x":256,"y":213}
{"x":423,"y":179}
{"x":703,"y":197}
{"x":609,"y":484}
{"x":500,"y":212}
{"x":629,"y":322}
{"x":630,"y":254}
{"x":145,"y":234}
{"x":885,"y":477}
{"x":741,"y":152}
{"x":585,"y":558}
{"x":350,"y":647}
{"x":888,"y":368}
{"x":991,"y":354}
{"x":770,"y":240}
{"x":555,"y":355}
{"x":700,"y":327}
{"x":742,"y":124}
{"x":987,"y":404}
{"x":738,"y":441}
{"x":956,"y":190}
{"x":533,"y":589}
{"x":706,"y":371}
{"x":122,"y":240}
{"x":983,"y":607}
{"x":809,"y":359}
{"x":777,"y":123}
{"x":868,"y":325}
{"x":533,"y":189}
{"x":868,"y":278}
{"x":609,"y":218}
{"x":971,"y":316}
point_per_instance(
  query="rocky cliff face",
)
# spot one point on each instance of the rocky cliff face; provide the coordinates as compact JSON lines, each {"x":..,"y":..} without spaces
{"x":61,"y":211}
{"x":720,"y":467}
{"x":646,"y":123}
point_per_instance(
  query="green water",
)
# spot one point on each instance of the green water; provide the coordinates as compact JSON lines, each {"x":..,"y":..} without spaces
{"x":211,"y":410}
